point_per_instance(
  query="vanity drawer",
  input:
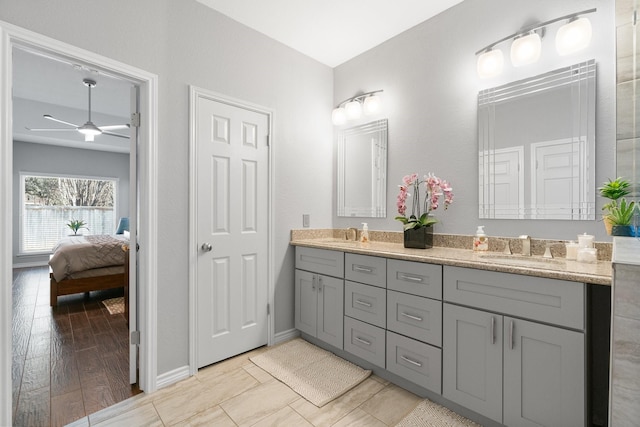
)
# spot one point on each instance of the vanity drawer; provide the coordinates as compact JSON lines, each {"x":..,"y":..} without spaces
{"x":415,"y":278}
{"x":365,"y":341}
{"x":415,"y":361}
{"x":415,"y":317}
{"x":366,"y":269}
{"x":366,"y":303}
{"x":323,"y":261}
{"x":559,"y":302}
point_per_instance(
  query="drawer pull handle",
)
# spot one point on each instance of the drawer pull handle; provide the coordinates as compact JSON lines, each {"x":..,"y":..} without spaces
{"x":360,"y":340}
{"x":413,"y":362}
{"x":319,"y":283}
{"x":416,"y":318}
{"x":411,"y":278}
{"x":363,"y":269}
{"x":493,"y":330}
{"x":366,"y":304}
{"x":511,"y":335}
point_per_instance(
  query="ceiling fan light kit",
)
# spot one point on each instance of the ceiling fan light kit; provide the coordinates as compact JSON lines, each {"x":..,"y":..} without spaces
{"x":89,"y":129}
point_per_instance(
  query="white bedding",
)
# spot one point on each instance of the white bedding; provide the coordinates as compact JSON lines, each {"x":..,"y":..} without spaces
{"x":74,"y":254}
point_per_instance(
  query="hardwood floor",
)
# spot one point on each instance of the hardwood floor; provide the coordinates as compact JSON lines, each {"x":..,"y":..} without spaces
{"x":68,"y":362}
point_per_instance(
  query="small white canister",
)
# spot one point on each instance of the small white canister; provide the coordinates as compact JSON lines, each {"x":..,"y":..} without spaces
{"x":572,"y":250}
{"x":585,"y":240}
{"x":588,"y":255}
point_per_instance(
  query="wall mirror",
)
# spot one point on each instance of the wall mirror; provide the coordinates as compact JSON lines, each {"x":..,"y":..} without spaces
{"x":362,"y":170}
{"x":536,"y":142}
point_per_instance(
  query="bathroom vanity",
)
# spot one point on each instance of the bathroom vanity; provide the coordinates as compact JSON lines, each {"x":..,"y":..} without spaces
{"x":502,"y":340}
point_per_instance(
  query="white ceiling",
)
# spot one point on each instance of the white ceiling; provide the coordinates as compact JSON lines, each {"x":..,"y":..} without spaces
{"x":330,"y":31}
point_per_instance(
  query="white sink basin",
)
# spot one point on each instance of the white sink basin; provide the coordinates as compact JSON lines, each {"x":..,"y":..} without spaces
{"x":522,"y":260}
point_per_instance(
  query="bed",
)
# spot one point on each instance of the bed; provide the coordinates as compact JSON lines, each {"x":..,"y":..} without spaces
{"x":82,"y":264}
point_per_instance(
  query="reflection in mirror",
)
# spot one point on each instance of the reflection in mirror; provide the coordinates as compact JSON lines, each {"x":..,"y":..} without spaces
{"x":536,"y":141}
{"x":362,"y":170}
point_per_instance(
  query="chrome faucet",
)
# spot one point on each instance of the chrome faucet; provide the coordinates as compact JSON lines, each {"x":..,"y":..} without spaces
{"x":507,"y":248}
{"x":526,"y":245}
{"x":351,"y":231}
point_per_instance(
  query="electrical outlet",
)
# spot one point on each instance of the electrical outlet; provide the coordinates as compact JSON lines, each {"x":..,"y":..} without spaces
{"x":305,"y":220}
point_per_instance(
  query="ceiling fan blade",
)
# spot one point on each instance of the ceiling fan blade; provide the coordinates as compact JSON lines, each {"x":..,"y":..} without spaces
{"x":113,"y":127}
{"x":50,"y":130}
{"x":106,"y":132}
{"x":48,"y":117}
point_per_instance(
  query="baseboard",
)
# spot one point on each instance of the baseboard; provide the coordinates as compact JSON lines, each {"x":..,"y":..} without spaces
{"x":31,"y":264}
{"x":286,"y":336}
{"x":172,"y":377}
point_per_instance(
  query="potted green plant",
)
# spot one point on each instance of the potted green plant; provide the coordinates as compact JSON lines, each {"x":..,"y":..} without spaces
{"x":615,"y":190}
{"x":621,"y":216}
{"x":77,"y":224}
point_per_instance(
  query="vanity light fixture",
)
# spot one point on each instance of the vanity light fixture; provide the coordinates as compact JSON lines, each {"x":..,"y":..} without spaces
{"x":353,"y":108}
{"x":526,"y":46}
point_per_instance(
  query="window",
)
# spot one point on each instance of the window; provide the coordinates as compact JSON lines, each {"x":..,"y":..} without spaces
{"x":50,"y":202}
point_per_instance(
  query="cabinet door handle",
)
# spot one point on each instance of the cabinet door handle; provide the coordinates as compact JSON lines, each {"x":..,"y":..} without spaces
{"x":493,"y":330}
{"x":363,"y":269}
{"x":366,"y":304}
{"x":313,"y":282}
{"x":416,"y":318}
{"x":319,"y":283}
{"x":511,"y":327}
{"x":413,"y":362}
{"x":411,"y":278}
{"x":360,"y":340}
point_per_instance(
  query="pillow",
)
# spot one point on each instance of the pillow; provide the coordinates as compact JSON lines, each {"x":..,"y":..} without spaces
{"x":126,"y":233}
{"x":123,"y":225}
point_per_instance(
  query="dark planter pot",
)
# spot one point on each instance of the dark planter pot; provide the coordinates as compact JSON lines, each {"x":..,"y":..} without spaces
{"x":623,"y":230}
{"x":419,"y":238}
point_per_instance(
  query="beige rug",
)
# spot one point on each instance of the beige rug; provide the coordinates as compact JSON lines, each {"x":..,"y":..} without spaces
{"x":315,"y":374}
{"x":430,"y":414}
{"x":114,"y":305}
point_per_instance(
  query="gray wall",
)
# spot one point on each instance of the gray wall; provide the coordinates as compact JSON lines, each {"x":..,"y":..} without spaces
{"x":430,"y":85}
{"x":40,"y":158}
{"x":184,"y":43}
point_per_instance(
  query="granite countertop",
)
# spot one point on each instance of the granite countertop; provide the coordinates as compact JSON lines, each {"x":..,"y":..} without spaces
{"x":598,"y":273}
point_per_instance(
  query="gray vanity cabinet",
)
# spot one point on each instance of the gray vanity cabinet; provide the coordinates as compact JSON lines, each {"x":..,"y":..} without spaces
{"x":319,"y":303}
{"x":515,"y":371}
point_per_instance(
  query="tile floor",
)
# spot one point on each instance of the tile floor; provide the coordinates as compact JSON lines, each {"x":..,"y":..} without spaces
{"x":236,"y":392}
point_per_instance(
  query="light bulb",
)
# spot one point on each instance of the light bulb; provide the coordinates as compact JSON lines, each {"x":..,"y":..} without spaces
{"x":490,"y":63}
{"x":338,"y":116}
{"x":353,"y":110}
{"x":372,"y":105}
{"x":526,"y":50}
{"x":573,"y":36}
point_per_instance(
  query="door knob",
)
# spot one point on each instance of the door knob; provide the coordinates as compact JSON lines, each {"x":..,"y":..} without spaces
{"x":207,"y":247}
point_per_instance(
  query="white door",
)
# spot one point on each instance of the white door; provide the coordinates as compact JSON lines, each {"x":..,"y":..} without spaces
{"x":232,"y":180}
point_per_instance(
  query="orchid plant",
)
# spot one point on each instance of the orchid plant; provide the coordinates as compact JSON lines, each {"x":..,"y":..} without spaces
{"x":434,"y":188}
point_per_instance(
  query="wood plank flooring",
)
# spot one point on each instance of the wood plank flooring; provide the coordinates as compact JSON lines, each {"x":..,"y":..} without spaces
{"x":69,"y":362}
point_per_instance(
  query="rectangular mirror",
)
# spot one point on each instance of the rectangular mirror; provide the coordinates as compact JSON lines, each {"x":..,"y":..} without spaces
{"x":536,"y":142}
{"x":362,"y":170}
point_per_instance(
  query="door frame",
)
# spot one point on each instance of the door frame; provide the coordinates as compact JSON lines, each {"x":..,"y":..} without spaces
{"x":10,"y":36}
{"x":194,"y":94}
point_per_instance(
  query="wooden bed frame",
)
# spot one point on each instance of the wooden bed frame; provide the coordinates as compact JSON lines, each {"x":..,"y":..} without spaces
{"x":84,"y":285}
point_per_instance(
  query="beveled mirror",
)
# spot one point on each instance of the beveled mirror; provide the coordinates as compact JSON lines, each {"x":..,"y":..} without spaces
{"x":536,"y":142}
{"x":362,"y":170}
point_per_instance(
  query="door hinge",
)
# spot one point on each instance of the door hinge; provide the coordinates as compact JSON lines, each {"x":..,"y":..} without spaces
{"x":135,"y":337}
{"x":135,"y":120}
{"x":268,"y":309}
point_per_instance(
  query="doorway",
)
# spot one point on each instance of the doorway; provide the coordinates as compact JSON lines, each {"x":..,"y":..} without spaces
{"x":15,"y":37}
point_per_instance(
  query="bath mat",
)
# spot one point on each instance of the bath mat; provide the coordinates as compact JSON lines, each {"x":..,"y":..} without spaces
{"x":114,"y":305}
{"x":430,"y":414}
{"x":315,"y":374}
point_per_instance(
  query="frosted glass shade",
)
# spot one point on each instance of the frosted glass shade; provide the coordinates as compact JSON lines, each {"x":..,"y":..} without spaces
{"x":526,"y":50}
{"x":372,"y":105}
{"x":490,"y":64}
{"x":353,"y":110}
{"x":338,"y":116}
{"x":573,"y":36}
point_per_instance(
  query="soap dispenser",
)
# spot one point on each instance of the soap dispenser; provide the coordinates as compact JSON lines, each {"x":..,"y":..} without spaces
{"x":364,"y":236}
{"x":480,"y":240}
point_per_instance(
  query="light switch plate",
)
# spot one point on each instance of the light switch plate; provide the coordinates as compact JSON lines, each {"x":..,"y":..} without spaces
{"x":305,"y":220}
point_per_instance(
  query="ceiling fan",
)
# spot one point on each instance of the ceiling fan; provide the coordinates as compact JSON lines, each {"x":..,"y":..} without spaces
{"x":89,"y":129}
